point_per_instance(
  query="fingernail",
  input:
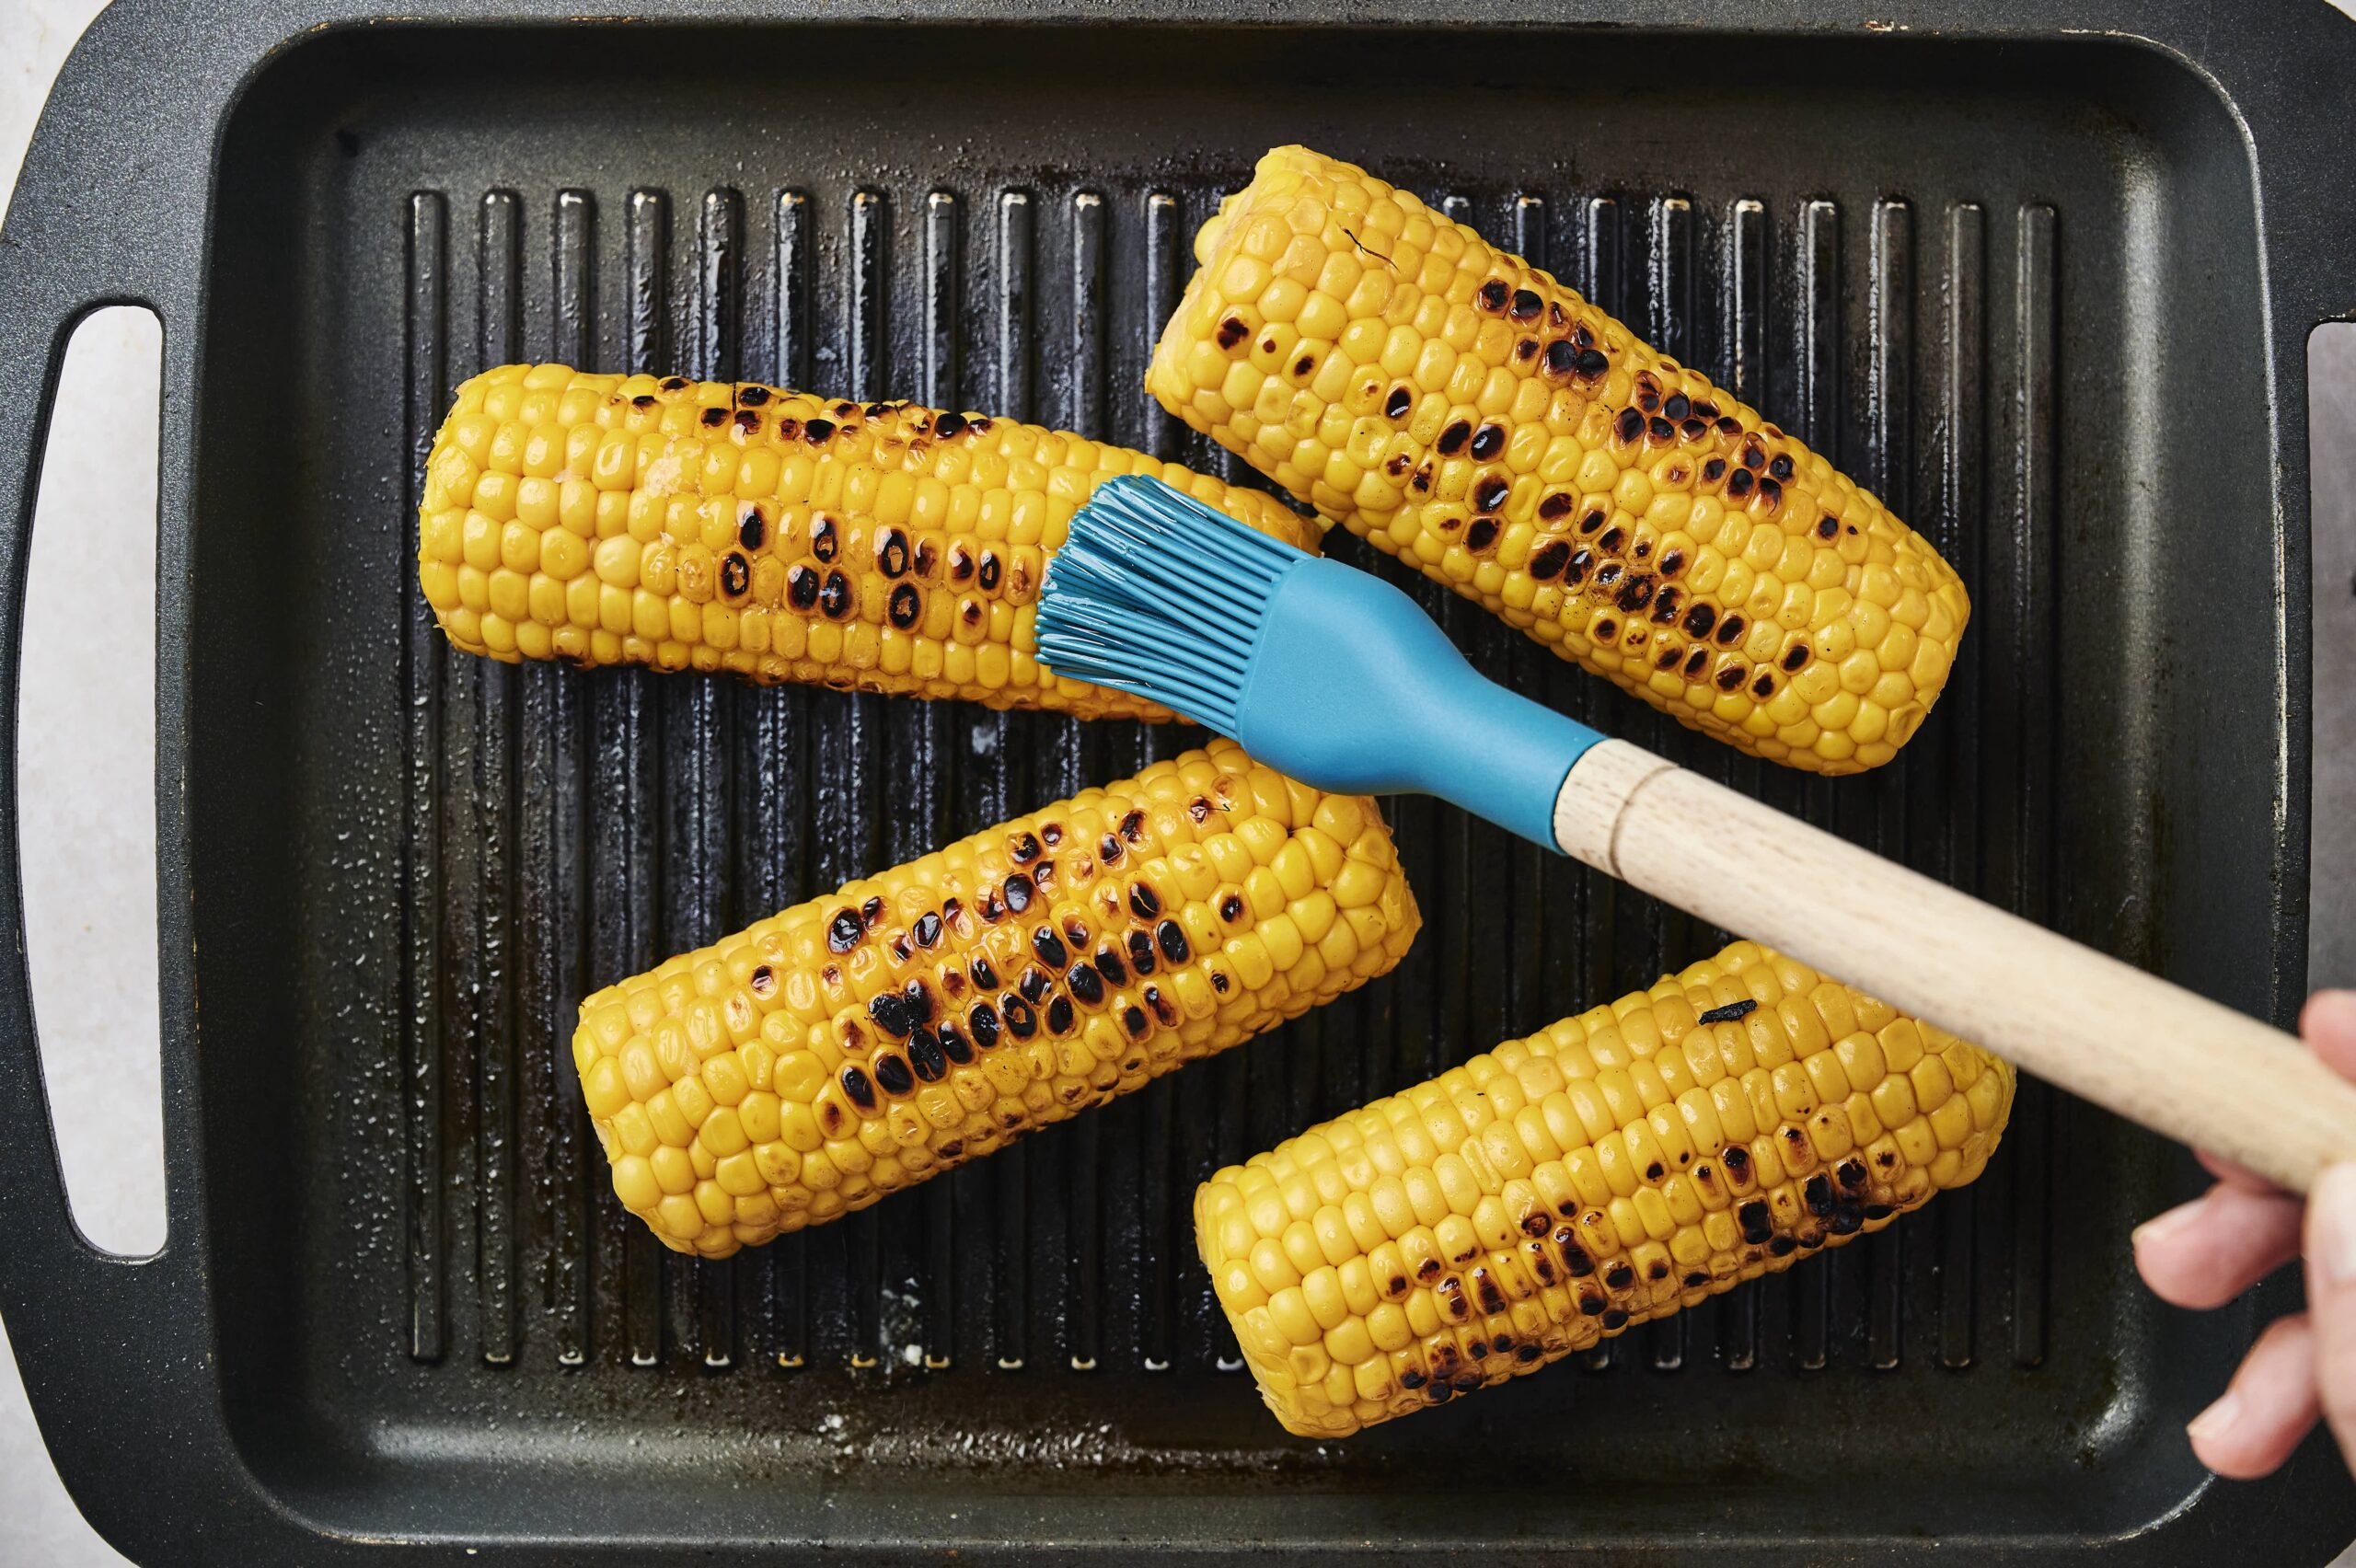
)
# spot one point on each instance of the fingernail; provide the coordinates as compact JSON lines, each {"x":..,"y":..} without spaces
{"x":2162,"y":1226}
{"x":2331,"y":1224}
{"x":2332,"y":1010}
{"x":2217,"y":1420}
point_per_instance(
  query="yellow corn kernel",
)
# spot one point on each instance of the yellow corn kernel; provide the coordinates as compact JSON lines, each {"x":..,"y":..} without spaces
{"x":1489,"y":1231}
{"x":776,"y":533}
{"x":1539,"y":458}
{"x":854,"y":1044}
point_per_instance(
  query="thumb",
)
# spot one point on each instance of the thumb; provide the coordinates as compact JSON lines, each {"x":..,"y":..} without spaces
{"x":2331,"y":1298}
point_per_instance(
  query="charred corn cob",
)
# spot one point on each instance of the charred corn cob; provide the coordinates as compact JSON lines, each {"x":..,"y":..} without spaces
{"x":859,"y":1042}
{"x":608,"y":519}
{"x":1467,"y":414}
{"x":1619,"y":1166}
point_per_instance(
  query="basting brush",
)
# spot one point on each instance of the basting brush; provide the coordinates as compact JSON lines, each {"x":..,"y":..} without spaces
{"x":1338,"y":678}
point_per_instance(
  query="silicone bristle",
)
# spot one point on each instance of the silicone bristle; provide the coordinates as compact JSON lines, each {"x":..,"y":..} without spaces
{"x":1157,"y":595}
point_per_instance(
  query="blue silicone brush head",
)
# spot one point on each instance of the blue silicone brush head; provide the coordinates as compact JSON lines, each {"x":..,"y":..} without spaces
{"x":1321,"y":671}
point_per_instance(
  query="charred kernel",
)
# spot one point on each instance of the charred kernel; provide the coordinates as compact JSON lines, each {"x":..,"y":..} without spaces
{"x":1482,"y":536}
{"x":992,"y":569}
{"x":836,"y":600}
{"x":1034,"y":983}
{"x":1219,"y":981}
{"x":1672,"y":563}
{"x":1452,"y":439}
{"x":1757,"y":1221}
{"x":1615,"y":1319}
{"x":1304,"y":364}
{"x":1548,"y":560}
{"x":1172,"y":939}
{"x":1592,"y":521}
{"x":1733,"y":1012}
{"x":1085,"y":983}
{"x":906,"y":605}
{"x":1592,"y":361}
{"x":1852,"y":1173}
{"x":752,"y":530}
{"x":1613,"y":541}
{"x":1132,"y":1019}
{"x":1779,"y":468}
{"x":983,"y":1021}
{"x":1665,"y":604}
{"x":1231,"y":332}
{"x":871,"y":911}
{"x":1140,"y":948}
{"x":1636,"y":594}
{"x":892,"y":553}
{"x":1753,"y":454}
{"x":1494,"y":294}
{"x":1730,"y":630}
{"x":1581,"y":564}
{"x":735,"y":575}
{"x":1770,"y":494}
{"x":1660,"y":431}
{"x":1696,"y":661}
{"x":927,"y":1056}
{"x":949,"y":423}
{"x":1730,"y":677}
{"x":1052,"y":833}
{"x":844,"y":931}
{"x":1701,"y":618}
{"x":1050,"y":946}
{"x":825,"y":542}
{"x":1794,"y":657}
{"x":1846,"y":1219}
{"x":1556,"y":506}
{"x":1620,"y":1277}
{"x":961,"y":564}
{"x":1763,"y":688}
{"x":818,"y":433}
{"x":643,"y":400}
{"x":1676,"y":405}
{"x":1613,"y":571}
{"x":800,"y":587}
{"x":1729,"y":425}
{"x":1109,"y":849}
{"x":1230,"y":908}
{"x":993,"y":907}
{"x":1782,"y":1247}
{"x":1109,"y":965}
{"x":1488,"y":441}
{"x":856,"y":1085}
{"x":1133,"y":826}
{"x":1657,"y":1270}
{"x":916,"y":997}
{"x":890,"y":1014}
{"x":1878,"y":1211}
{"x":1023,"y":847}
{"x":1654,"y":1172}
{"x":1629,"y":426}
{"x":1019,"y":892}
{"x":1562,"y":359}
{"x":1593,"y":1305}
{"x":1526,"y":349}
{"x":1020,"y":1021}
{"x":1667,"y":660}
{"x":1737,"y":1159}
{"x":763,"y":980}
{"x":1647,"y":392}
{"x":1741,"y":483}
{"x":1826,"y":527}
{"x":1401,"y":400}
{"x":715,"y":416}
{"x":746,"y":421}
{"x":1713,"y":470}
{"x":1525,"y":305}
{"x":1818,"y":1193}
{"x":1059,"y":1016}
{"x":892,"y":1075}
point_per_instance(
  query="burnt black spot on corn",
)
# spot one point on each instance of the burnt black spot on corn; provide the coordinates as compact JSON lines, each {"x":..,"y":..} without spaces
{"x":601,"y":520}
{"x":1730,"y":1128}
{"x":1593,"y":411}
{"x":824,"y":1057}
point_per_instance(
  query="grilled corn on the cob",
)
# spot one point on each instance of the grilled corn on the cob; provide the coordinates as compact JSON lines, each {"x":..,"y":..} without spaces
{"x":1619,"y":1166}
{"x":857,"y":1044}
{"x":608,"y":519}
{"x":1469,"y":414}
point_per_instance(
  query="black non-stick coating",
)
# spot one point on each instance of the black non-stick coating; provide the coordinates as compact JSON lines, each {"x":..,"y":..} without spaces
{"x":2019,"y":284}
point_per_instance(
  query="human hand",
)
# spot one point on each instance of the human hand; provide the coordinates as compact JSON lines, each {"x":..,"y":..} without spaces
{"x":2207,"y":1252}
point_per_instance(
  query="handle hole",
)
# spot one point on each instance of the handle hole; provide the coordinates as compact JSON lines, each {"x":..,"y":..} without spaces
{"x":85,"y":760}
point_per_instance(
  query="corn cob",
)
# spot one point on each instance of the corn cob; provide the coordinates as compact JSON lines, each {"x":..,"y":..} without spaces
{"x":608,"y":519}
{"x":1467,"y":414}
{"x":1619,"y":1166}
{"x":859,"y":1042}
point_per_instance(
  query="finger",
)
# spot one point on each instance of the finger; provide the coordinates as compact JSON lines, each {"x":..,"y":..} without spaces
{"x":2331,"y":1298}
{"x":2265,"y":1410}
{"x":2329,"y":1024}
{"x":2206,"y":1253}
{"x":2233,"y":1175}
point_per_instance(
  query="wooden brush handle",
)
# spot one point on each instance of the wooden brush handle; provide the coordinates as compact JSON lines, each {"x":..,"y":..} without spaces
{"x":2154,"y":1052}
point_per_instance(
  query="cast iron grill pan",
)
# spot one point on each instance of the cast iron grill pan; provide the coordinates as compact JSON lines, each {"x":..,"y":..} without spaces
{"x":1970,"y":275}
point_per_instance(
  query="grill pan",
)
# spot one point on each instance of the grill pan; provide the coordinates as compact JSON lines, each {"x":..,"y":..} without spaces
{"x":2041,"y":276}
